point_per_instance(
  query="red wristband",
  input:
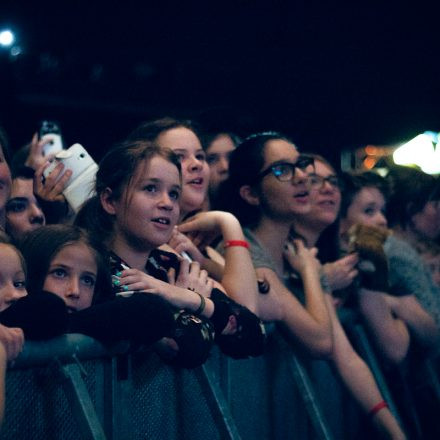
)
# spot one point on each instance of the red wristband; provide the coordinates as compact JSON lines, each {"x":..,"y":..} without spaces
{"x":242,"y":243}
{"x":376,"y":408}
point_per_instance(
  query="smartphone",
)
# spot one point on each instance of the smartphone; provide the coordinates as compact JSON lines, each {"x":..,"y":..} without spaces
{"x":81,"y":184}
{"x":185,"y":255}
{"x":50,"y":131}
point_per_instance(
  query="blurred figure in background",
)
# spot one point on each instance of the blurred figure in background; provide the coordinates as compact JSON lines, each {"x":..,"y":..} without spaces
{"x":23,"y":211}
{"x":218,"y":148}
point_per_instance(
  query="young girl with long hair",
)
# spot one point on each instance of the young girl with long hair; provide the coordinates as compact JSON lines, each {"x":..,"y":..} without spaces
{"x":12,"y":288}
{"x":268,"y":190}
{"x":234,"y":272}
{"x":397,"y":312}
{"x":136,"y":208}
{"x":66,"y":261}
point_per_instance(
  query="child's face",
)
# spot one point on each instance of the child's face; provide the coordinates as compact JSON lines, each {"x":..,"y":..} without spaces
{"x":23,"y":213}
{"x":195,"y":170}
{"x":217,"y":156}
{"x":367,"y":208}
{"x":72,"y":276}
{"x":152,"y":211}
{"x":12,"y":278}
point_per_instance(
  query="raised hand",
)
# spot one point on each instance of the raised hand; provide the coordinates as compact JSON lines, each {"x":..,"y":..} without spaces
{"x":36,"y":157}
{"x":341,"y":273}
{"x":181,"y":243}
{"x":300,"y":258}
{"x":51,"y":188}
{"x":204,"y":227}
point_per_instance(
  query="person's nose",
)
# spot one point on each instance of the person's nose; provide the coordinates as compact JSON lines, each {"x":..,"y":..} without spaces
{"x":36,"y":214}
{"x":327,"y":187}
{"x":166,"y":202}
{"x":194,"y":164}
{"x":73,"y":288}
{"x":223,"y":165}
{"x":300,"y":176}
{"x":382,"y":220}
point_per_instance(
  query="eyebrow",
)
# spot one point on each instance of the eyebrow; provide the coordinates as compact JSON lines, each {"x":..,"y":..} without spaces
{"x":63,"y":266}
{"x":156,"y":180}
{"x":18,"y":199}
{"x":184,"y":150}
{"x":281,"y":162}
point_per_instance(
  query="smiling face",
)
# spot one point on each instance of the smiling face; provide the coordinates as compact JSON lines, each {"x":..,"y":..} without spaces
{"x":23,"y":213}
{"x":72,"y":276}
{"x":283,"y":200}
{"x":325,"y":198}
{"x":148,"y":209}
{"x":367,"y":208}
{"x":12,"y":277}
{"x":195,"y":170}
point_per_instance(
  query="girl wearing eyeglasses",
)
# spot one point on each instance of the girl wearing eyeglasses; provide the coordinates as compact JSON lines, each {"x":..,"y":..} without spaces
{"x":268,"y":190}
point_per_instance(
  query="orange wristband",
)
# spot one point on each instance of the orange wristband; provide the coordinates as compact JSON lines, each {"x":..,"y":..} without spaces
{"x":376,"y":408}
{"x":242,"y":243}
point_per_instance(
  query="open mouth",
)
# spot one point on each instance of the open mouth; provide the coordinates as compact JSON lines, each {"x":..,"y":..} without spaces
{"x":301,"y":195}
{"x":198,"y":181}
{"x":161,"y":220}
{"x":327,"y":203}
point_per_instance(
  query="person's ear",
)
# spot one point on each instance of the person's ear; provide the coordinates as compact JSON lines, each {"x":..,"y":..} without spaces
{"x":248,"y":194}
{"x":108,"y":201}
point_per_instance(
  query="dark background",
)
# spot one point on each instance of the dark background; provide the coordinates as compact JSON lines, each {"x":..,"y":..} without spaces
{"x":332,"y":75}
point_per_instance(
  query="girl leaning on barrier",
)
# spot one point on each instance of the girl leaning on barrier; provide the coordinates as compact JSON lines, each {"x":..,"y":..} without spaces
{"x":319,"y":227}
{"x":268,"y":190}
{"x":66,"y":261}
{"x":234,"y":273}
{"x":135,"y":211}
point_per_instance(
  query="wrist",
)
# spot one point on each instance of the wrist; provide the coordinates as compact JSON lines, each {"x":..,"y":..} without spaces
{"x":376,"y":408}
{"x":308,"y":271}
{"x":236,"y":243}
{"x":200,"y":309}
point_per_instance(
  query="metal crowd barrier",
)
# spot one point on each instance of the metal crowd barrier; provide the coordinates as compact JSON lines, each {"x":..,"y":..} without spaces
{"x":73,"y":387}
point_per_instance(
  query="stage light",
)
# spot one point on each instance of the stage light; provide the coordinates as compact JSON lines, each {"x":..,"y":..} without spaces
{"x":423,"y":151}
{"x":6,"y":38}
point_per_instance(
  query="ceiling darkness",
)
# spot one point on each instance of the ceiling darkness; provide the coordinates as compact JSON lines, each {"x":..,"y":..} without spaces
{"x":331,"y":75}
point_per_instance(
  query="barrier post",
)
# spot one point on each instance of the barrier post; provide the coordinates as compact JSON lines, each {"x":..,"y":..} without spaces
{"x":80,"y":402}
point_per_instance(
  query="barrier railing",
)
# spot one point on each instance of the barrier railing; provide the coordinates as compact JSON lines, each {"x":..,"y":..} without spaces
{"x":73,"y":387}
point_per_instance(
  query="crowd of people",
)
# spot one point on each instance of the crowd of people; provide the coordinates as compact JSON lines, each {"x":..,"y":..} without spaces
{"x":193,"y":238}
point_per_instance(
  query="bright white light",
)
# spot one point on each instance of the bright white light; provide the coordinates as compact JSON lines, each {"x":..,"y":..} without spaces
{"x":412,"y":152}
{"x":6,"y":38}
{"x":420,"y":151}
{"x":432,"y":164}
